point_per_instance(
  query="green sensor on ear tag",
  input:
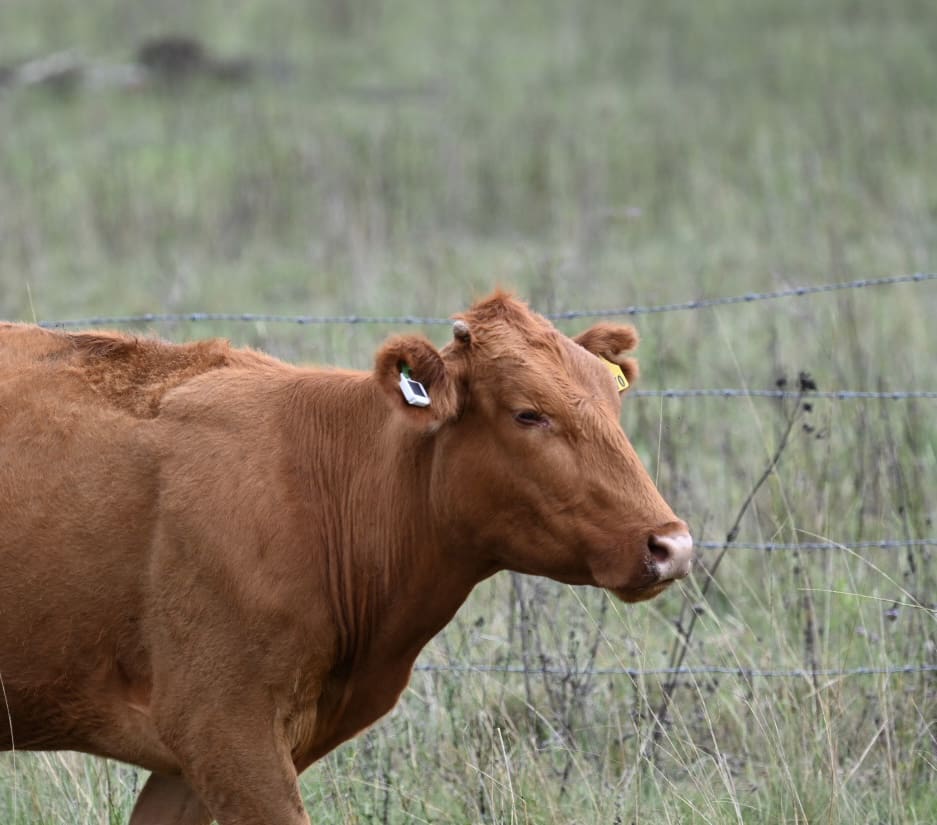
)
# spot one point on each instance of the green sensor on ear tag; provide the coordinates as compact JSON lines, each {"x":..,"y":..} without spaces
{"x":616,"y":372}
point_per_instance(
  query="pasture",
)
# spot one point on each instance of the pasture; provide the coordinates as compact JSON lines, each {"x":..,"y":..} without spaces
{"x":399,"y":159}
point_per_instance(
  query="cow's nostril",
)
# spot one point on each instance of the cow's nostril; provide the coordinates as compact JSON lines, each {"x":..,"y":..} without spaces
{"x":671,"y":554}
{"x":659,"y":550}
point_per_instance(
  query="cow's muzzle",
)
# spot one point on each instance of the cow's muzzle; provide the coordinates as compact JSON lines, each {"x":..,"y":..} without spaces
{"x":671,"y":552}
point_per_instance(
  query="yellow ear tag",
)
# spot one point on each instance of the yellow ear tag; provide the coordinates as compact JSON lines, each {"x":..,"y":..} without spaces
{"x":619,"y":376}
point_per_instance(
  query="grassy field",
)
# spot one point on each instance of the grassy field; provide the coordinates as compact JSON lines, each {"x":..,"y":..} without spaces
{"x":404,"y":157}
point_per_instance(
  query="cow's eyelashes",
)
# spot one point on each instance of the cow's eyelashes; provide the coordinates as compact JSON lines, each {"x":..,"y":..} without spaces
{"x":531,"y":418}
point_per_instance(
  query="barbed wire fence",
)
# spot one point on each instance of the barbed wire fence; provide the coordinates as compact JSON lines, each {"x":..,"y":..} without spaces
{"x":833,"y":395}
{"x":702,"y":303}
{"x":699,"y":670}
{"x":675,"y":393}
{"x":403,"y":320}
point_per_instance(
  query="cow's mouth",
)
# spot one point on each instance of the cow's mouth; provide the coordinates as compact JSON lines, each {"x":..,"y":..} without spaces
{"x":641,"y":594}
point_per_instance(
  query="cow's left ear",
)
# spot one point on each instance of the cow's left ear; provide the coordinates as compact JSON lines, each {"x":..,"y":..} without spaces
{"x":415,"y":360}
{"x":612,"y":342}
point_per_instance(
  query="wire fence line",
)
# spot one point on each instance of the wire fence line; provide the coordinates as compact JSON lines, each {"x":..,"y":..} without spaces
{"x":698,"y":670}
{"x":726,"y":392}
{"x":704,"y":670}
{"x":403,"y":320}
{"x":697,"y":304}
{"x":835,"y":395}
{"x":883,"y":544}
{"x":392,"y":320}
{"x":750,"y":297}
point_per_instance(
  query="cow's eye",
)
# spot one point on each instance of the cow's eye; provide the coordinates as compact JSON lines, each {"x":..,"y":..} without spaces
{"x":531,"y":418}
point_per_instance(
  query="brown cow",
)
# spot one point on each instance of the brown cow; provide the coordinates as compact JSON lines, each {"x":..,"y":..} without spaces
{"x":219,"y":566}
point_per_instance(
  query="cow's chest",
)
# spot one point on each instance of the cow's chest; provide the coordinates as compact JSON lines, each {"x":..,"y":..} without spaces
{"x":348,"y":703}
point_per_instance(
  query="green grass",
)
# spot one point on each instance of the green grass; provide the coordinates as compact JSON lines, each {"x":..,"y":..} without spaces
{"x":403,"y":158}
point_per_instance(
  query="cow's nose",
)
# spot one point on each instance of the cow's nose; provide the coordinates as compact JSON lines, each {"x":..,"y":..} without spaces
{"x":672,"y":553}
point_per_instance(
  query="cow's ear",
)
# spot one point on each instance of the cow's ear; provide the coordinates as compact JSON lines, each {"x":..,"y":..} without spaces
{"x":420,"y":364}
{"x":612,"y":342}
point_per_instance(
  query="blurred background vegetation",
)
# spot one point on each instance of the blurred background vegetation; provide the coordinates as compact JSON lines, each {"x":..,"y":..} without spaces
{"x":373,"y":157}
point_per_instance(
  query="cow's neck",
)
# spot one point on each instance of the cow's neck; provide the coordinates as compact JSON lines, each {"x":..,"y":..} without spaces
{"x":395,"y":578}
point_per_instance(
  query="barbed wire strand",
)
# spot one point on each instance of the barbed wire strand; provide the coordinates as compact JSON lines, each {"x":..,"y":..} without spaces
{"x":750,"y":297}
{"x":700,"y":670}
{"x":883,"y":544}
{"x":401,"y":320}
{"x":836,"y":395}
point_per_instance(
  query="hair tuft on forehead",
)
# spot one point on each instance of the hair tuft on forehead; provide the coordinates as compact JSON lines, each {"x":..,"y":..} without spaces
{"x":502,"y":314}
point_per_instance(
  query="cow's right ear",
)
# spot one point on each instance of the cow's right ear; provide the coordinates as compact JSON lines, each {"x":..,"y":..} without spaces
{"x":414,"y":357}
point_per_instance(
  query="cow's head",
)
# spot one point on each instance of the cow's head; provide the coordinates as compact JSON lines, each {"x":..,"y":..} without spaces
{"x":530,"y":463}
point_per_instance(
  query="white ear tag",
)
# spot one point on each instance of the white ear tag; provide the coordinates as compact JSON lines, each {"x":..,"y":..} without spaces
{"x":413,"y":391}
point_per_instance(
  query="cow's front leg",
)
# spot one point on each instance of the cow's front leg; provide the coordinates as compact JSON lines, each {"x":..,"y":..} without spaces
{"x":168,"y":800}
{"x":237,"y":760}
{"x":245,"y":782}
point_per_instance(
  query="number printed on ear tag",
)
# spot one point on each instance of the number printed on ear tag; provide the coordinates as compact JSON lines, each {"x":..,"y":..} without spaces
{"x":619,"y":376}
